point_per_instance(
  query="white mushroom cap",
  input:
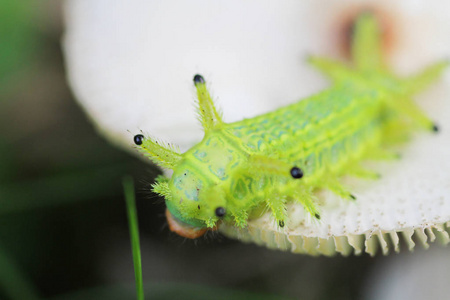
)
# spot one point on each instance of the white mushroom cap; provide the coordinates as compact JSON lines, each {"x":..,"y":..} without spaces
{"x":131,"y":63}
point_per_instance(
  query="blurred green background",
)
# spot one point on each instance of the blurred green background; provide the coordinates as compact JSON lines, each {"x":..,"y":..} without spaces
{"x":63,"y":227}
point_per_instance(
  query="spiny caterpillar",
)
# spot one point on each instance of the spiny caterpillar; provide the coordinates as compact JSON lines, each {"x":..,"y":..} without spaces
{"x":240,"y":169}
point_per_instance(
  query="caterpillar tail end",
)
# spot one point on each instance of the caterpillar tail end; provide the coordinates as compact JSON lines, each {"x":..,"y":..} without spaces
{"x":366,"y":43}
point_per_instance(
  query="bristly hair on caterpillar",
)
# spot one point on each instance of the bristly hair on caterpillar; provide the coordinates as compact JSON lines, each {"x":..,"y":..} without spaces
{"x":283,"y":156}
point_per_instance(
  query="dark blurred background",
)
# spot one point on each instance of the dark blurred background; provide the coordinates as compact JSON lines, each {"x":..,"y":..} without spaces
{"x":63,"y":227}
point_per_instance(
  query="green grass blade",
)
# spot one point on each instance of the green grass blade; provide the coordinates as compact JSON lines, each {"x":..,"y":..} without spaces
{"x":134,"y":233}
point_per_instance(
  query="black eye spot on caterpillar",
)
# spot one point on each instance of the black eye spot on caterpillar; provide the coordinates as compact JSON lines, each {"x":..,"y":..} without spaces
{"x":296,"y":173}
{"x":435,"y":128}
{"x":138,"y":139}
{"x":352,"y":196}
{"x":317,"y":216}
{"x":220,"y":212}
{"x":198,"y":79}
{"x":281,"y":223}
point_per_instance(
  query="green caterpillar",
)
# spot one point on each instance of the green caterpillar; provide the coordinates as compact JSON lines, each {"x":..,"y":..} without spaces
{"x":240,"y":169}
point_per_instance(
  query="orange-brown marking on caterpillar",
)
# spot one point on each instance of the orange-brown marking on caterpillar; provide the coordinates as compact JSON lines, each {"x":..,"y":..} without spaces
{"x":183,"y":230}
{"x":345,"y":23}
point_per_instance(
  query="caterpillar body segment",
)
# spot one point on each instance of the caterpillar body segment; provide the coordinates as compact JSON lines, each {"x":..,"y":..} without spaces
{"x":242,"y":169}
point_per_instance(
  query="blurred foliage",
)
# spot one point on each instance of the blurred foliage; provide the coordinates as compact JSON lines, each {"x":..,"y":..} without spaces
{"x":168,"y":291}
{"x":57,"y":177}
{"x":18,"y":38}
{"x":12,"y":281}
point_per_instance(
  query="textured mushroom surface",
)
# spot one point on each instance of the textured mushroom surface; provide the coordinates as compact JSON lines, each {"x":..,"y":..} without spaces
{"x":130,"y":64}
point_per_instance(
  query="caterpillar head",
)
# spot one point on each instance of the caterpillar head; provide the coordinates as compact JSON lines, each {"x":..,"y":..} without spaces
{"x":194,"y":203}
